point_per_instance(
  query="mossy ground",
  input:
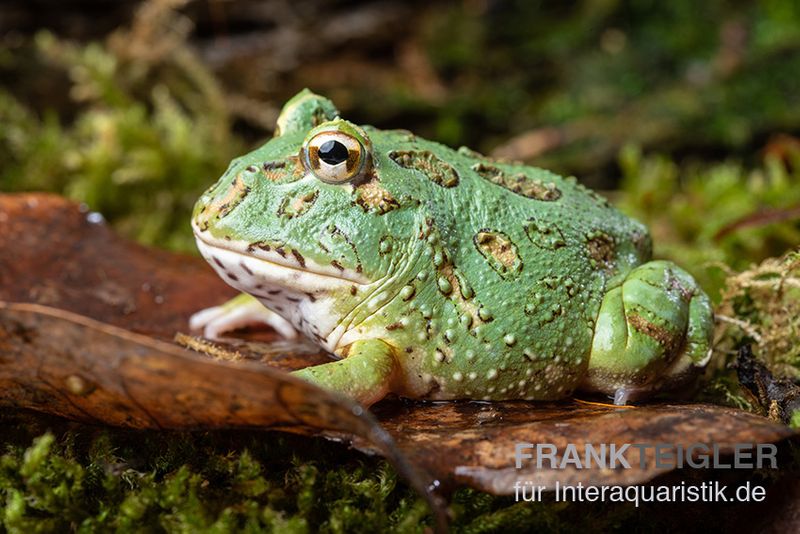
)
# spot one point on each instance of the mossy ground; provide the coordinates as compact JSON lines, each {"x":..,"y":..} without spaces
{"x":76,"y":477}
{"x":57,"y":476}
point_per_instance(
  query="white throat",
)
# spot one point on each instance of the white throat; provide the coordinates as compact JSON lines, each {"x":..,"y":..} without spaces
{"x":303,"y":297}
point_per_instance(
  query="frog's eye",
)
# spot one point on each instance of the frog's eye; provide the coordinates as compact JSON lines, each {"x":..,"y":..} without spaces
{"x":335,"y":157}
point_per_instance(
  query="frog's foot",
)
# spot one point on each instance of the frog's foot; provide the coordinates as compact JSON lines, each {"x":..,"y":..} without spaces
{"x":365,"y":374}
{"x":653,"y":333}
{"x":239,"y":312}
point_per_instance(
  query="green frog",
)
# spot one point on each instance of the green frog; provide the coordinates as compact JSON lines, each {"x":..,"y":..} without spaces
{"x":434,"y":273}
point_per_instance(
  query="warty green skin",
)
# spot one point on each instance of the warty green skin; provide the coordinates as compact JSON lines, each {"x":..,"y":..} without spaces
{"x":435,"y":281}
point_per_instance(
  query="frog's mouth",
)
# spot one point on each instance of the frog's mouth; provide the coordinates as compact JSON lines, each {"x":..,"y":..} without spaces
{"x":307,"y":294}
{"x":252,"y":268}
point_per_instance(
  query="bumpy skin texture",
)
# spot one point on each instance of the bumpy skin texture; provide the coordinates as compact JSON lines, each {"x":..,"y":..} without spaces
{"x":441,"y":274}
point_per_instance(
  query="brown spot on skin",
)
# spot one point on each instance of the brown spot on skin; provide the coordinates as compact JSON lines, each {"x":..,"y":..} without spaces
{"x":353,"y":290}
{"x":245,"y":268}
{"x":426,"y":229}
{"x":286,"y":170}
{"x":424,"y":161}
{"x":274,"y":165}
{"x":337,"y":265}
{"x":499,"y":251}
{"x":601,"y":248}
{"x":295,"y":206}
{"x":660,"y":335}
{"x":372,"y":197}
{"x":236,"y":193}
{"x":222,"y":206}
{"x":232,"y":276}
{"x":299,"y":257}
{"x":409,"y":350}
{"x":311,"y":297}
{"x":518,"y":183}
{"x":274,"y":292}
{"x":280,"y":252}
{"x":218,"y":262}
{"x":394,"y":326}
{"x":259,"y":244}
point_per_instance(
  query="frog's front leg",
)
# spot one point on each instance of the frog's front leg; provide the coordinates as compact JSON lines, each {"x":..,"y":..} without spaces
{"x":365,"y":374}
{"x":239,"y":312}
{"x":653,"y":332}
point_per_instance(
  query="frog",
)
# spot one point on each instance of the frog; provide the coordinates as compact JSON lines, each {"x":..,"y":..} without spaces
{"x":434,"y":273}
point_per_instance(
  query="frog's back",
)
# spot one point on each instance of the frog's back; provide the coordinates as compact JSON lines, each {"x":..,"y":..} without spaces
{"x":532,"y":255}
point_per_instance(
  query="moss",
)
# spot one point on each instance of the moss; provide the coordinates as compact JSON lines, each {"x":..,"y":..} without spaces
{"x":761,"y":305}
{"x":57,"y":476}
{"x":150,"y":128}
{"x":75,"y":477}
{"x":795,"y":422}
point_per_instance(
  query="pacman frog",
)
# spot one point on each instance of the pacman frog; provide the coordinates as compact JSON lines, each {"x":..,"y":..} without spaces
{"x":434,"y":273}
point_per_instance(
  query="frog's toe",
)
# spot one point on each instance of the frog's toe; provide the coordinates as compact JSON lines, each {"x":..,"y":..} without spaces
{"x":653,"y":333}
{"x":365,"y":375}
{"x":239,"y":312}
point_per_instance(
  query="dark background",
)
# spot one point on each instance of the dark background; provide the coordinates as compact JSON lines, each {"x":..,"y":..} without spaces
{"x":563,"y":84}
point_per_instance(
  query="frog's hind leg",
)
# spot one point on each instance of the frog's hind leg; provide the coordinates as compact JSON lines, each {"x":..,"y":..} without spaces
{"x":365,"y":375}
{"x":653,"y":333}
{"x":239,"y":312}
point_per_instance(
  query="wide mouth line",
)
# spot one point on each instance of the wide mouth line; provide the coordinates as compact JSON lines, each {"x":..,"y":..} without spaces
{"x":219,"y":246}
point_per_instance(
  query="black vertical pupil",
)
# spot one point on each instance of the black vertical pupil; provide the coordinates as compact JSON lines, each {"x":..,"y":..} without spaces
{"x":333,"y":152}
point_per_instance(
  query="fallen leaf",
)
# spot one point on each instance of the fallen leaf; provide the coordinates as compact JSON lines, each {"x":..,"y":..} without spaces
{"x":57,"y":362}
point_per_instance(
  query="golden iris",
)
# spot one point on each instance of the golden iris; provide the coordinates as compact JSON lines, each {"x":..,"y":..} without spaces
{"x":335,"y":157}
